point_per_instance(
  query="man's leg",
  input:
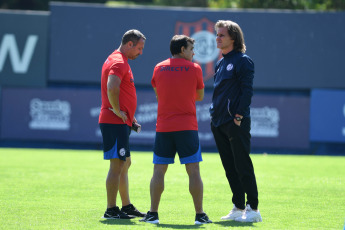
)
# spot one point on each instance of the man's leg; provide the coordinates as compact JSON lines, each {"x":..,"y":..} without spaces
{"x":222,"y":140}
{"x":241,"y":148}
{"x":240,"y":144}
{"x":195,"y":186}
{"x":157,"y":185}
{"x":123,"y":185}
{"x":113,"y":180}
{"x":127,"y":206}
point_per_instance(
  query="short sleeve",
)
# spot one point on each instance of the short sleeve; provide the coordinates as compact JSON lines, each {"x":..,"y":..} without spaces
{"x":153,"y":80}
{"x":118,"y":69}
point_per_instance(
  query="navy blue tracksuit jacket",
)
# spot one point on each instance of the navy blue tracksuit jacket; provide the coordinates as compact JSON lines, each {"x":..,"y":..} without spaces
{"x":233,"y":87}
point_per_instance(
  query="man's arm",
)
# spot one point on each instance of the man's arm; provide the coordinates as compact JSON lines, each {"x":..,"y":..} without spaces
{"x":246,"y":76}
{"x":156,"y":93}
{"x":113,"y":91}
{"x":200,"y":94}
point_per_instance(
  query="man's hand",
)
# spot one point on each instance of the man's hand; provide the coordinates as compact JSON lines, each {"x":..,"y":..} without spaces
{"x":121,"y":114}
{"x":236,"y":121}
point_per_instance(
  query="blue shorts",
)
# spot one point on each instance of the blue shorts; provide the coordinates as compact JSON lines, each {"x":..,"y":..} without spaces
{"x":186,"y":143}
{"x":115,"y":141}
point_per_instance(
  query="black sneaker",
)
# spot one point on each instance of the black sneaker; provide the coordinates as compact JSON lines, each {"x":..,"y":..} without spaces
{"x":151,"y":217}
{"x":202,"y":219}
{"x":115,"y":213}
{"x":132,"y":211}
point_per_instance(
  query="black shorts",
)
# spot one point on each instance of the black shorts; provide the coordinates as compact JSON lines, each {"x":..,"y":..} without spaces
{"x":115,"y":141}
{"x":186,"y":143}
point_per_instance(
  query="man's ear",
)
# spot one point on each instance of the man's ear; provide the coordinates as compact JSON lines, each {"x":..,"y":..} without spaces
{"x":130,"y":44}
{"x":183,"y":49}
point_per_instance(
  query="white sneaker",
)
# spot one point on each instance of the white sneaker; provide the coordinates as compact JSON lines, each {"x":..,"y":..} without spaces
{"x":233,"y":214}
{"x":250,"y":215}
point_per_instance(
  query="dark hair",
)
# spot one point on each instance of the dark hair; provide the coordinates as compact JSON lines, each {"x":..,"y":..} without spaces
{"x":178,"y":41}
{"x":132,"y":35}
{"x":235,"y":32}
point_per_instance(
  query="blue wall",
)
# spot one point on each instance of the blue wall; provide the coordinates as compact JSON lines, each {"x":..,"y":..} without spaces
{"x":291,"y":50}
{"x":298,"y":83}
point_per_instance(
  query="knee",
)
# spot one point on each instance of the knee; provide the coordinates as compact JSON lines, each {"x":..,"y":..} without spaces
{"x":116,"y":166}
{"x":113,"y":170}
{"x":193,"y":170}
{"x":128,"y":162}
{"x":159,"y":171}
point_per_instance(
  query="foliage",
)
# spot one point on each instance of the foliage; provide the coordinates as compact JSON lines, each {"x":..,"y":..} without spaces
{"x":223,"y":3}
{"x":294,"y":4}
{"x":199,"y":3}
{"x":281,"y":4}
{"x":37,"y":4}
{"x":260,"y":4}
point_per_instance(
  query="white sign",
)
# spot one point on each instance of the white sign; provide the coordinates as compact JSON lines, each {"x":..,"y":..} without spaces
{"x":50,"y":115}
{"x":265,"y":122}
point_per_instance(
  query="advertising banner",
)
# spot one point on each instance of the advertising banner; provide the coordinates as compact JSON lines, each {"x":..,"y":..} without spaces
{"x":327,"y":116}
{"x":23,"y":48}
{"x":280,"y":121}
{"x":61,"y":115}
{"x":275,"y":122}
{"x":71,"y":115}
{"x":83,"y":35}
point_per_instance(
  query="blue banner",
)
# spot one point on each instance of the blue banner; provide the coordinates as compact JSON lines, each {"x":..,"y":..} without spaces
{"x":23,"y":48}
{"x":275,"y":121}
{"x":61,"y":115}
{"x":280,"y":121}
{"x":327,"y":115}
{"x":71,"y":115}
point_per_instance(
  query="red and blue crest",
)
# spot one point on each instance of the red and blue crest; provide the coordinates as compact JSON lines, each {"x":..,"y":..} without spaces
{"x":205,"y":47}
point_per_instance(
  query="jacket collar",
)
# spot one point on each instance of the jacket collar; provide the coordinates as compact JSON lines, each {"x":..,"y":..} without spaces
{"x":232,"y":52}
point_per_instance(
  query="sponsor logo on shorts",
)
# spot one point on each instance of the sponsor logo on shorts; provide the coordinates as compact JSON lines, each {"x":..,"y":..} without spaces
{"x":122,"y":152}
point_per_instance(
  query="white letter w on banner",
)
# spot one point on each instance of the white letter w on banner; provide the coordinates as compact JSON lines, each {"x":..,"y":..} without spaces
{"x":9,"y":45}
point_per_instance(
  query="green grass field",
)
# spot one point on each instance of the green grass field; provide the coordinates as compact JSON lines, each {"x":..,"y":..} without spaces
{"x":65,"y":189}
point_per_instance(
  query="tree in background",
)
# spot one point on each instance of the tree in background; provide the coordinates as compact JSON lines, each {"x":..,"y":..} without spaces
{"x":198,"y":3}
{"x":254,"y":4}
{"x":36,"y":4}
{"x":23,"y":4}
{"x":280,"y":4}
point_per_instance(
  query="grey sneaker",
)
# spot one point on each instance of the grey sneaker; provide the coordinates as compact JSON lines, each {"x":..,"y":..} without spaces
{"x":250,"y":215}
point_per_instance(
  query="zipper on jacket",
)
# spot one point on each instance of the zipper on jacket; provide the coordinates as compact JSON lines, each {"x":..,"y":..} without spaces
{"x":229,"y":107}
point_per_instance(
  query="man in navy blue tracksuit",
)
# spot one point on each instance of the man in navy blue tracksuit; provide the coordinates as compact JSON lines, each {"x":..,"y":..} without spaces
{"x":230,"y":120}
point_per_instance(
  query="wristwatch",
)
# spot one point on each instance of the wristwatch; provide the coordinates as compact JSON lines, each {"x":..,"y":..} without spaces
{"x":238,"y":119}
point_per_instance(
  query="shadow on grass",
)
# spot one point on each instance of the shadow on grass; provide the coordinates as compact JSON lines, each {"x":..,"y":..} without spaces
{"x":117,"y":222}
{"x":177,"y":226}
{"x":129,"y":222}
{"x":232,"y":223}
